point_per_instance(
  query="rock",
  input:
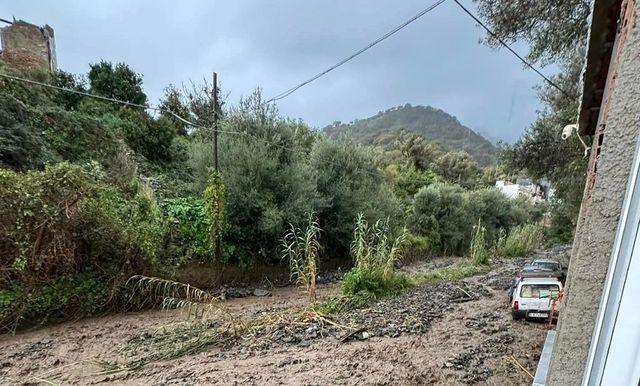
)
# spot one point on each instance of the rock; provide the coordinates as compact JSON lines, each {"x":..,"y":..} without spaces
{"x":233,"y":292}
{"x":261,"y":292}
{"x":311,"y":333}
{"x":291,"y":339}
{"x":448,"y":364}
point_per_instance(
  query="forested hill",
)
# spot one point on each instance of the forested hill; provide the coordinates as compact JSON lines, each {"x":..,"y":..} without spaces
{"x":436,"y":125}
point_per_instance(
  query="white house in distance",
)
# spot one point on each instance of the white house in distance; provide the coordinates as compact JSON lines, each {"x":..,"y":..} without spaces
{"x":524,"y":188}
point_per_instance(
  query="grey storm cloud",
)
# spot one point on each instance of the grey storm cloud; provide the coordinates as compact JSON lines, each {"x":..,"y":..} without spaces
{"x":274,"y":45}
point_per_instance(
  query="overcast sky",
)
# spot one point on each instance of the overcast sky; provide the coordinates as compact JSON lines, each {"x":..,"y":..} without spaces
{"x":274,"y":45}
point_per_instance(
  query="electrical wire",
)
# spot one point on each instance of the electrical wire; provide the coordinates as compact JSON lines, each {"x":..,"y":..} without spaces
{"x":113,"y":100}
{"x":503,"y":43}
{"x":290,"y":91}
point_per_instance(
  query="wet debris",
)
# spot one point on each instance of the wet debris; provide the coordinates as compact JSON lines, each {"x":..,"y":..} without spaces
{"x":240,"y":292}
{"x":472,"y":360}
{"x":261,"y":292}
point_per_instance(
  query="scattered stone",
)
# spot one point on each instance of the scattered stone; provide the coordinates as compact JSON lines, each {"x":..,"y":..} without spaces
{"x":261,"y":292}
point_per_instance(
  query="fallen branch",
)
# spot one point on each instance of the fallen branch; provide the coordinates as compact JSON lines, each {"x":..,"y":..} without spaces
{"x":465,"y":292}
{"x":521,"y":367}
{"x":349,"y":335}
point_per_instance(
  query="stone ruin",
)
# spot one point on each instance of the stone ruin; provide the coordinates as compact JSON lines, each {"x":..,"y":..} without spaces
{"x":28,"y":46}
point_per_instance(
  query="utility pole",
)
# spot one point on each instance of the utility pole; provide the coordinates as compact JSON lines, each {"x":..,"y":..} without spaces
{"x":215,"y":121}
{"x":216,"y":106}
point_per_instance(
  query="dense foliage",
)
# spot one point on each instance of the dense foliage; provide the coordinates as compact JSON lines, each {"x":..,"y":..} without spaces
{"x":446,"y":214}
{"x":94,"y":192}
{"x":556,"y":33}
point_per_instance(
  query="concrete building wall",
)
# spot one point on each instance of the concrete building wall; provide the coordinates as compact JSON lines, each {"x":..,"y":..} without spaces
{"x":611,"y":161}
{"x":29,"y":46}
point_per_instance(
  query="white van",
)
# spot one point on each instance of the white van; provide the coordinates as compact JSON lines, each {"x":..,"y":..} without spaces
{"x":532,"y":297}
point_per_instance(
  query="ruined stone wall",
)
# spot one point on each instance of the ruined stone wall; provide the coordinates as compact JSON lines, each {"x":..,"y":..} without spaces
{"x":610,"y":166}
{"x":28,"y":46}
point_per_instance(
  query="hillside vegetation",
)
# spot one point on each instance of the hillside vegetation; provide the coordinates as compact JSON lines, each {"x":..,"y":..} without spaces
{"x":435,"y":125}
{"x":93,"y":193}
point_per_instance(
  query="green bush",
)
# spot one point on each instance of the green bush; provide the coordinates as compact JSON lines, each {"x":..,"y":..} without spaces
{"x":67,"y":297}
{"x":267,"y":178}
{"x":63,"y":222}
{"x":521,"y":241}
{"x":445,"y":215}
{"x":360,"y":280}
{"x":409,"y":181}
{"x":415,"y":248}
{"x":349,"y":183}
{"x":440,"y":214}
{"x":188,"y":230}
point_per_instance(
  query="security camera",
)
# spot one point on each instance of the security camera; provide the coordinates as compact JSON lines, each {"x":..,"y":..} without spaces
{"x":568,"y":129}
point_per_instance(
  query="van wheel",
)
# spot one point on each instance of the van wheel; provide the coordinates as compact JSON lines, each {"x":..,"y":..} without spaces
{"x":516,"y":317}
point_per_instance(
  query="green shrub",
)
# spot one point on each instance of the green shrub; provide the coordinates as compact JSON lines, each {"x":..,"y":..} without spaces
{"x":188,"y":230}
{"x":214,"y":206}
{"x":440,"y":215}
{"x":349,"y":183}
{"x":267,"y":177}
{"x":360,"y":280}
{"x":67,"y":297}
{"x":63,"y":222}
{"x":445,"y":215}
{"x":521,"y":241}
{"x":415,"y":248}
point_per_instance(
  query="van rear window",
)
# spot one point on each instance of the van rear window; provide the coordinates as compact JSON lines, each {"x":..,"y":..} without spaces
{"x":539,"y":290}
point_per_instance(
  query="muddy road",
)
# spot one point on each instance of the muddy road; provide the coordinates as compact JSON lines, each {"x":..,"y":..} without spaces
{"x":445,"y":334}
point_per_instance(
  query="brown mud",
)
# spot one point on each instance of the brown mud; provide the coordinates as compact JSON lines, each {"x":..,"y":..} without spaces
{"x":444,"y":334}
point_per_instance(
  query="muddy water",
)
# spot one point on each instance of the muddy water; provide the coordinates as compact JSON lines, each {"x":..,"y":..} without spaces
{"x":470,"y":342}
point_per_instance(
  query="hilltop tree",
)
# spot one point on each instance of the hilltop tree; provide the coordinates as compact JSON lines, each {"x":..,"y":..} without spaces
{"x":119,"y":82}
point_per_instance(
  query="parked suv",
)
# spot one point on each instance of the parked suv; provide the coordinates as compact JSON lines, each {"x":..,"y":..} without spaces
{"x":532,"y":297}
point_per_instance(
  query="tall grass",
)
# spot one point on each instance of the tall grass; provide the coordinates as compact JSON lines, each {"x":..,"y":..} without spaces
{"x":521,"y":241}
{"x":478,"y":251}
{"x":373,"y":249}
{"x":302,"y":248}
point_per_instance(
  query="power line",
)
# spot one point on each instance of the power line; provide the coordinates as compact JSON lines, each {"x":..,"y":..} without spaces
{"x":159,"y":109}
{"x":113,"y":100}
{"x":290,"y":91}
{"x":502,"y":42}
